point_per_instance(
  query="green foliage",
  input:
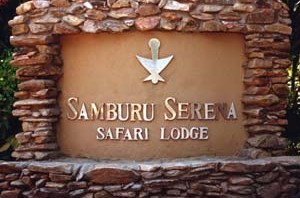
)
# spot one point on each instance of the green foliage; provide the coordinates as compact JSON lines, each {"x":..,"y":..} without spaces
{"x":8,"y":83}
{"x":294,"y":6}
{"x":293,"y":111}
{"x":8,"y":124}
{"x":294,"y":148}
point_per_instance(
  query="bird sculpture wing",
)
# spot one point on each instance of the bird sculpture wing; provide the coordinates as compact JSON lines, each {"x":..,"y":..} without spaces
{"x":147,"y":63}
{"x":162,"y":63}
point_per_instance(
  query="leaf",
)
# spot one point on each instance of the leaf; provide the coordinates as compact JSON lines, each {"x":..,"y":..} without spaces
{"x":5,"y":147}
{"x":13,"y":142}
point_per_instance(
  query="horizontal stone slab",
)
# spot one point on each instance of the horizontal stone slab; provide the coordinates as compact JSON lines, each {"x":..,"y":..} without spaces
{"x":51,"y":167}
{"x":111,"y":176}
{"x":6,"y":167}
{"x":40,"y":59}
{"x":226,"y":177}
{"x":37,"y":147}
{"x":35,"y":85}
{"x":33,"y":102}
{"x":32,"y":40}
{"x":261,"y":100}
{"x":264,"y":129}
{"x":39,"y":71}
{"x":32,"y":119}
{"x":155,"y":165}
{"x":279,"y":28}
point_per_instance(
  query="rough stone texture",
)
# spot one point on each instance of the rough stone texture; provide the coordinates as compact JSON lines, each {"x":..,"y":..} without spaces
{"x":111,"y":176}
{"x":265,"y":25}
{"x":192,"y":177}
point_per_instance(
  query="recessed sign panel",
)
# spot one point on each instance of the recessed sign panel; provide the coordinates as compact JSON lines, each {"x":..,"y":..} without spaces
{"x":151,"y":95}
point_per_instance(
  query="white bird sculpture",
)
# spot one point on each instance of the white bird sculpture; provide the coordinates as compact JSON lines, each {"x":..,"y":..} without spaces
{"x":154,"y":66}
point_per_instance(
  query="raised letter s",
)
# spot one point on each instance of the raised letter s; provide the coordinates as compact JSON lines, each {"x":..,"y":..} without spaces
{"x":72,"y":108}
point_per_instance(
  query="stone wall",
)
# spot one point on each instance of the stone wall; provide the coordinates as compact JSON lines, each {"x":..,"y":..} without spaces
{"x":264,"y":23}
{"x":268,"y":178}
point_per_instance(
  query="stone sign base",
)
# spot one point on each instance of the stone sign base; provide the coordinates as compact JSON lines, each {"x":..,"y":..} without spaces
{"x":270,"y":177}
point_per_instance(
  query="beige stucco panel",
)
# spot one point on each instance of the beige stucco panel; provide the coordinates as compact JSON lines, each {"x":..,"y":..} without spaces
{"x":103,"y":68}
